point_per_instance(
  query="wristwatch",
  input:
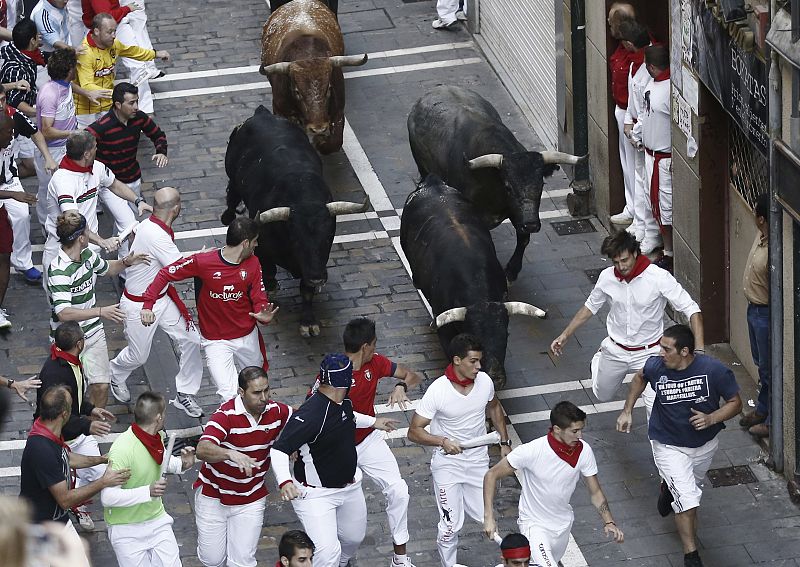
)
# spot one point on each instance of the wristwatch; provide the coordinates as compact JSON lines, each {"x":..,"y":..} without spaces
{"x":10,"y":382}
{"x":138,"y":200}
{"x":506,"y":443}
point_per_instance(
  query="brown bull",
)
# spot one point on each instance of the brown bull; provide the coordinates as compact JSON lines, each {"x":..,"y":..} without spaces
{"x":302,"y":54}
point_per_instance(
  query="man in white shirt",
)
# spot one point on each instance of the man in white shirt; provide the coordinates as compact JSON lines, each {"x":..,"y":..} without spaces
{"x":644,"y":226}
{"x":155,"y":238}
{"x":456,"y":406}
{"x":657,"y":140}
{"x":637,"y":292}
{"x":549,"y":469}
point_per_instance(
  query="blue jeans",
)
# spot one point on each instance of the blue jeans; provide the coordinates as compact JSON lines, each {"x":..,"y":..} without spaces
{"x":758,"y":325}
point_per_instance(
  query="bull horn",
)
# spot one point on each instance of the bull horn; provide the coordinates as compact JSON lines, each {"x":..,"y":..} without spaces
{"x":281,"y":68}
{"x":561,"y":157}
{"x":488,"y":160}
{"x":347,"y":207}
{"x":274,"y":214}
{"x":348,"y":60}
{"x":520,"y":308}
{"x":451,"y":316}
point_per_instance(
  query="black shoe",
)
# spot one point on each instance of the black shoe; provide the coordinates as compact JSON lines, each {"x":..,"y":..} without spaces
{"x":692,"y":559}
{"x":664,"y":501}
{"x":751,"y":419}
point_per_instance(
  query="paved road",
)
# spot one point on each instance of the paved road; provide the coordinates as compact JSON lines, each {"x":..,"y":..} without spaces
{"x":213,"y":85}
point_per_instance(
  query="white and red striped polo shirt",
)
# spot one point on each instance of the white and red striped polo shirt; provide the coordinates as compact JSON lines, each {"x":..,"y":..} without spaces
{"x":232,"y":427}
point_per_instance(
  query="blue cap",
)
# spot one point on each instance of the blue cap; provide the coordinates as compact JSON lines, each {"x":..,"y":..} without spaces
{"x":336,"y":370}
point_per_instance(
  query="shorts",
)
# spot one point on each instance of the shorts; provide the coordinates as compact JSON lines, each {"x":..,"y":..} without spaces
{"x":23,"y":148}
{"x":6,"y":233}
{"x":96,"y":367}
{"x":683,"y":469}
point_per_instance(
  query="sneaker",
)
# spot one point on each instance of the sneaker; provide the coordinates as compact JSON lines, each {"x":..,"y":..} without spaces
{"x":665,"y":263}
{"x":461,"y":17}
{"x":665,"y":498}
{"x":120,"y":392}
{"x":650,"y":243}
{"x":4,"y":322}
{"x":188,"y":404}
{"x":751,"y":419}
{"x":84,"y":518}
{"x":32,"y":276}
{"x":405,"y":563}
{"x":759,"y":430}
{"x":637,"y":234}
{"x":623,"y":219}
{"x":692,"y":559}
{"x":440,"y":25}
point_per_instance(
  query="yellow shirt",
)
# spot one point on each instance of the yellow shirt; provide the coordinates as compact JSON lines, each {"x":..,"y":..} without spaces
{"x":756,"y":272}
{"x":96,"y":70}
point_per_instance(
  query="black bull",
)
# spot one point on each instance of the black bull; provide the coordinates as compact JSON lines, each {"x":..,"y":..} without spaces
{"x":274,"y":169}
{"x":459,"y":136}
{"x":453,"y":262}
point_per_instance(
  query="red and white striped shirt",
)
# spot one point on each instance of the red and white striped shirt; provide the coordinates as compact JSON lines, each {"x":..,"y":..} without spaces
{"x":232,"y":427}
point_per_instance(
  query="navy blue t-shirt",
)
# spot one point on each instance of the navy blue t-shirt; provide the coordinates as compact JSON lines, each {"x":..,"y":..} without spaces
{"x":699,"y":386}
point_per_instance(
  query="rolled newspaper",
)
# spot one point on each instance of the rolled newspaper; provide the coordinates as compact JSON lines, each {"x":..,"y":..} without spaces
{"x":488,"y":439}
{"x":167,"y":455}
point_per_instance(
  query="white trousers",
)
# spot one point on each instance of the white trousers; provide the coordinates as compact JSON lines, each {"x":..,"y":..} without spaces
{"x":684,"y":468}
{"x":77,"y":31}
{"x":146,"y":544}
{"x":547,"y":546}
{"x":140,"y":339}
{"x":223,"y":357}
{"x":664,"y":186}
{"x":458,"y":488}
{"x":447,"y":10}
{"x":132,"y":30}
{"x":644,"y":224}
{"x":227,"y":532}
{"x":19,"y":214}
{"x":87,"y":445}
{"x":611,"y":363}
{"x":336,"y":521}
{"x":71,"y":534}
{"x":43,"y":177}
{"x":85,"y":120}
{"x":377,"y":462}
{"x":627,"y":156}
{"x":95,"y":359}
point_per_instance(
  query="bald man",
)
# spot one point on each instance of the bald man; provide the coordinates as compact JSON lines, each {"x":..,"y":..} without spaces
{"x":619,"y":64}
{"x":155,"y":238}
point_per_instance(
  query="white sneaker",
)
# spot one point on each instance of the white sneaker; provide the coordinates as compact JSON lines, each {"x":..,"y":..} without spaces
{"x":637,"y":234}
{"x":440,"y":25}
{"x":84,"y":518}
{"x":650,"y":243}
{"x":188,"y":404}
{"x":461,"y":17}
{"x":120,"y":392}
{"x":406,"y":563}
{"x":621,"y":219}
{"x":4,"y":322}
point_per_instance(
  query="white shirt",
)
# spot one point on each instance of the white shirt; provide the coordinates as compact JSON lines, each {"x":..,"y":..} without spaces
{"x":77,"y":191}
{"x":636,"y":311}
{"x":458,"y":416}
{"x":637,"y":83}
{"x":153,"y":240}
{"x":548,"y":482}
{"x":656,"y":126}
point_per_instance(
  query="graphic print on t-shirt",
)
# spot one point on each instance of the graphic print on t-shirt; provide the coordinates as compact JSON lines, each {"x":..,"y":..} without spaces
{"x":692,"y":389}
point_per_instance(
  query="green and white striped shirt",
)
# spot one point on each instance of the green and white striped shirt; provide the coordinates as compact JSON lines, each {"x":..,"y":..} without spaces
{"x":71,"y":284}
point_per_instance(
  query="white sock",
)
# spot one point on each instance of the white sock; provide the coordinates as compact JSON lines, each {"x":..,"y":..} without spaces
{"x":668,"y":253}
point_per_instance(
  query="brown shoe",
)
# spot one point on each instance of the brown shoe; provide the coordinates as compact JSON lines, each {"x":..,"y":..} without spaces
{"x":759,"y":430}
{"x":751,"y":419}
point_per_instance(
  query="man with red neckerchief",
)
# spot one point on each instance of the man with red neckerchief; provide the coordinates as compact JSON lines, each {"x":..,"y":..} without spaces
{"x":139,"y":528}
{"x":456,"y":406}
{"x":548,"y":469}
{"x":155,"y":238}
{"x":637,"y":292}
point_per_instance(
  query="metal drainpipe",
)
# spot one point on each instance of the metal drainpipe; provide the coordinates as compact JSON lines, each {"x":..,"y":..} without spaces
{"x":579,"y":202}
{"x":776,"y":275}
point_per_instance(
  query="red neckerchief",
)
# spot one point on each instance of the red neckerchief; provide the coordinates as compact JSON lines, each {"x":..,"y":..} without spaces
{"x":36,"y":55}
{"x":56,"y":352}
{"x":164,"y":226}
{"x":662,"y":76}
{"x":90,"y":40}
{"x":153,"y":443}
{"x":39,"y":429}
{"x":71,"y":165}
{"x":637,"y":58}
{"x":566,"y":453}
{"x":450,"y":372}
{"x":642,"y":262}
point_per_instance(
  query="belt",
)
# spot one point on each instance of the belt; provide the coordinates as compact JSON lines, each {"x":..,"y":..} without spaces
{"x":635,"y":348}
{"x":758,"y":304}
{"x":659,"y":155}
{"x":139,"y":298}
{"x":342,"y":486}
